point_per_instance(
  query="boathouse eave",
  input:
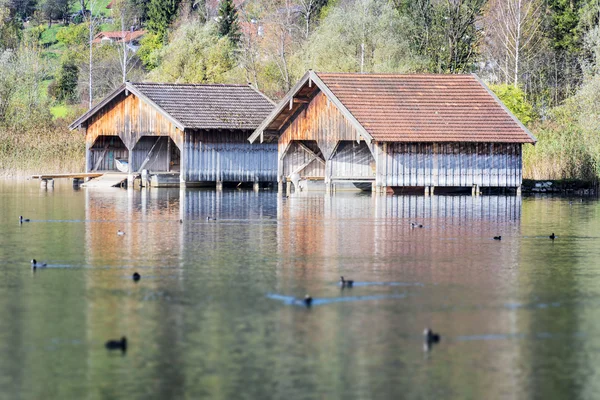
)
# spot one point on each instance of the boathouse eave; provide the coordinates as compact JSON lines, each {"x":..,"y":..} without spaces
{"x":310,"y":78}
{"x":527,"y":131}
{"x":132,"y":89}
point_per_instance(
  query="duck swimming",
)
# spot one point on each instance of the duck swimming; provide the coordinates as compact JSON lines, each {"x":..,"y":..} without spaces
{"x":117,"y":344}
{"x":346,"y":283}
{"x":308,"y":300}
{"x":35,"y":265}
{"x":120,"y":233}
{"x":415,"y":225}
{"x":210,"y":219}
{"x":136,"y":277}
{"x":553,"y":236}
{"x":431,"y":337}
{"x":21,"y":219}
{"x":497,"y":237}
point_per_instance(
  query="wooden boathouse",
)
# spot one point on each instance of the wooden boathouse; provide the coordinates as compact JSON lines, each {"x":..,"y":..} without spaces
{"x":197,"y":132}
{"x":381,"y":131}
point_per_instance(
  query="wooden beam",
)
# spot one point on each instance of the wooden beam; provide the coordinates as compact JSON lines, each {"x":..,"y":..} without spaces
{"x":301,"y":100}
{"x":68,"y":176}
{"x":101,"y":157}
{"x":149,"y":155}
{"x":312,"y":153}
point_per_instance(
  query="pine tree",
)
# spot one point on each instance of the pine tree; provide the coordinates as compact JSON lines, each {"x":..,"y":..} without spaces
{"x":160,"y":16}
{"x":228,"y":23}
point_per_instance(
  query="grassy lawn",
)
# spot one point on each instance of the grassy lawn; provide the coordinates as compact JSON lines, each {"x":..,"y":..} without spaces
{"x":99,"y":7}
{"x":59,"y":111}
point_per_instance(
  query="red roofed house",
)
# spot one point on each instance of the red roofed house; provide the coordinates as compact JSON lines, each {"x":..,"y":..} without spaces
{"x":387,"y":130}
{"x":118,"y":36}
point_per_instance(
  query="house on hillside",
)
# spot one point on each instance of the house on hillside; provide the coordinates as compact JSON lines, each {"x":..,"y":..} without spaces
{"x":132,"y":38}
{"x":385,"y":131}
{"x":199,"y":132}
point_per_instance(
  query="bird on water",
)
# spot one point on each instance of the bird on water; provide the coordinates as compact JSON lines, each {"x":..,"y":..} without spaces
{"x":430,"y":337}
{"x":497,"y":237}
{"x":35,"y":265}
{"x":21,"y":219}
{"x":136,"y":277}
{"x":117,"y":344}
{"x":346,"y":283}
{"x":210,"y":219}
{"x":553,"y":236}
{"x":120,"y":233}
{"x":415,"y":225}
{"x":308,"y":300}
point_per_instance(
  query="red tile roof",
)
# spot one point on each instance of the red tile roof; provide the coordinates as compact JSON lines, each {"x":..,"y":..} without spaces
{"x":425,"y":108}
{"x":118,"y":36}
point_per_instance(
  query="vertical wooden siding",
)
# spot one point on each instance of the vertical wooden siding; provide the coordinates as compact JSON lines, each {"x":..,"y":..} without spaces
{"x":131,"y":118}
{"x":352,"y":160}
{"x":116,"y":150}
{"x":319,"y":120}
{"x":297,"y":156}
{"x":226,"y":156}
{"x":159,"y":160}
{"x":449,"y":164}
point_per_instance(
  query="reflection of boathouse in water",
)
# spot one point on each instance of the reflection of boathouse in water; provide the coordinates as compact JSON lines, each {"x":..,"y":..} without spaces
{"x":395,"y":131}
{"x":197,"y":132}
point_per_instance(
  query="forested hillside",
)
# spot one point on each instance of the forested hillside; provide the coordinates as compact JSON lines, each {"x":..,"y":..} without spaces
{"x":542,"y":58}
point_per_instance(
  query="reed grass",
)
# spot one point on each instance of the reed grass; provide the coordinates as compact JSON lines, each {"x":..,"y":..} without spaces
{"x":44,"y":149}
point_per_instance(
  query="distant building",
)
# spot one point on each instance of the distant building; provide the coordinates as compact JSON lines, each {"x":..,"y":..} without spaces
{"x":130,"y":37}
{"x":385,"y":131}
{"x":197,"y":131}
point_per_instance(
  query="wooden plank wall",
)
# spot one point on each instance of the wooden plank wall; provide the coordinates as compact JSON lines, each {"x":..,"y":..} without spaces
{"x":319,"y":120}
{"x":297,"y":156}
{"x":352,"y":160}
{"x":227,"y":156}
{"x":130,"y":118}
{"x":159,"y":161}
{"x":449,"y":164}
{"x":116,"y":149}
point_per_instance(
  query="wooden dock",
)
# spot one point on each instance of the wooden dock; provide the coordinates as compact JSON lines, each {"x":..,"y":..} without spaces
{"x":107,"y":181}
{"x":80,"y":175}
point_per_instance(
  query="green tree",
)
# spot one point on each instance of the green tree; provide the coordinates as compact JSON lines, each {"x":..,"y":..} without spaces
{"x":444,"y":31}
{"x":66,"y":82}
{"x":160,"y":15}
{"x":365,"y":36}
{"x":196,"y":54}
{"x":228,"y":21}
{"x":514,"y":99}
{"x":10,"y":28}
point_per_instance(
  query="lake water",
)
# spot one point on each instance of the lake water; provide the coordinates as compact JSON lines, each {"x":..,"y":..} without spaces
{"x":214,"y":314}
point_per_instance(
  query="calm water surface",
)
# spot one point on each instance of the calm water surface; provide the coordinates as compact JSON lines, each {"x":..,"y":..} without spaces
{"x":214,"y":314}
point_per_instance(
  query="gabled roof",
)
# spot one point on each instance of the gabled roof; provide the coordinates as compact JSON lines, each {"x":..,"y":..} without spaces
{"x":118,"y":36}
{"x":191,"y":106}
{"x":411,"y":108}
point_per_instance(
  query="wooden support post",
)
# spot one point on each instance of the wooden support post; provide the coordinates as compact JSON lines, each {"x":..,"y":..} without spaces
{"x":519,"y":190}
{"x":279,"y":187}
{"x":288,"y":187}
{"x":219,"y":186}
{"x":477,"y":190}
{"x":426,"y":190}
{"x":431,"y":190}
{"x":473,"y":190}
{"x":256,"y":186}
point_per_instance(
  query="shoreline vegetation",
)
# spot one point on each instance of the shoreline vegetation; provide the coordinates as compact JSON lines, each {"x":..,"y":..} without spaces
{"x":546,"y":71}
